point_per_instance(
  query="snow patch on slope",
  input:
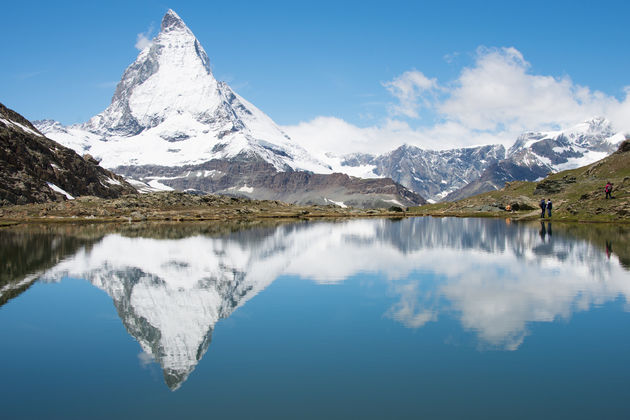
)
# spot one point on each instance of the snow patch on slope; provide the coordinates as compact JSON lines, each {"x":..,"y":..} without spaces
{"x":59,"y":190}
{"x":21,"y":127}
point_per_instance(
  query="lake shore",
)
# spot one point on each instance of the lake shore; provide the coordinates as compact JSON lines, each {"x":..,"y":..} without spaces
{"x":175,"y":207}
{"x":182,"y":207}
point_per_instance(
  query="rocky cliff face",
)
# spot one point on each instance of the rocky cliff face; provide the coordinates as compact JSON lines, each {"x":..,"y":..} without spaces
{"x":34,"y":168}
{"x":431,"y":173}
{"x":449,"y":175}
{"x":257,"y":179}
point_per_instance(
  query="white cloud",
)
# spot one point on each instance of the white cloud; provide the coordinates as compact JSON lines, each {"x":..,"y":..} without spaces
{"x":500,"y":94}
{"x":410,"y":89}
{"x":331,"y":134}
{"x":144,"y":39}
{"x":491,"y":102}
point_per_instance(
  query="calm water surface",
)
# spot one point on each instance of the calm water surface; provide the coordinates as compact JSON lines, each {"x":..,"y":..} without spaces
{"x":412,"y":318}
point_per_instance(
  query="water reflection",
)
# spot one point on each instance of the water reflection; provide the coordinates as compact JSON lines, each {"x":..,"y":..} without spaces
{"x":27,"y":253}
{"x":172,"y":284}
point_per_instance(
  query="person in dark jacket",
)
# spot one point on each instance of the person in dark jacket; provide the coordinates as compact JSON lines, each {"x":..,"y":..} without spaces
{"x":549,"y":207}
{"x":543,"y":205}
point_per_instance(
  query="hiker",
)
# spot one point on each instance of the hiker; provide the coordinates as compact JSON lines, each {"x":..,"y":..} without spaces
{"x":543,"y":205}
{"x":608,"y":190}
{"x":549,"y":207}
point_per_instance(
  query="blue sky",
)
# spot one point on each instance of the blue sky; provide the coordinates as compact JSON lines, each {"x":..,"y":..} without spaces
{"x":335,"y":60}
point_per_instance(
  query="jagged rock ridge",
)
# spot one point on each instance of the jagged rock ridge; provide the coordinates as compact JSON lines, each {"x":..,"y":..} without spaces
{"x":34,"y":168}
{"x":431,"y":173}
{"x":536,"y":154}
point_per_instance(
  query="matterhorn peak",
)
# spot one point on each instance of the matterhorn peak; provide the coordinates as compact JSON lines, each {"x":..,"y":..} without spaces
{"x":168,"y":110}
{"x":171,"y":21}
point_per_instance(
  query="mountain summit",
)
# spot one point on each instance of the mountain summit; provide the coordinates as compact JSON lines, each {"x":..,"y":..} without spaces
{"x":171,"y":20}
{"x":168,"y":109}
{"x":172,"y":125}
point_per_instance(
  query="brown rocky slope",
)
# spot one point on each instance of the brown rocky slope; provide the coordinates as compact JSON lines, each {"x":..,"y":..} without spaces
{"x":29,"y":162}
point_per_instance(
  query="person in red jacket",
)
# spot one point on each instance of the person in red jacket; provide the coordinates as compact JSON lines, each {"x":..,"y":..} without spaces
{"x":608,"y":190}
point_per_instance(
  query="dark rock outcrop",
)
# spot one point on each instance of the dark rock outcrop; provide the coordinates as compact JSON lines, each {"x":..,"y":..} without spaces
{"x":553,"y":186}
{"x":624,"y":146}
{"x":29,"y":162}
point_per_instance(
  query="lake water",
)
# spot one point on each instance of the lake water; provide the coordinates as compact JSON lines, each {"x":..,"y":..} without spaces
{"x":410,"y":318}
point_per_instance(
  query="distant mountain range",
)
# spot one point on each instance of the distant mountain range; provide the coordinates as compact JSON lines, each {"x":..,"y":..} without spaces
{"x":448,"y":175}
{"x":172,"y":125}
{"x":536,"y":154}
{"x":430,"y":173}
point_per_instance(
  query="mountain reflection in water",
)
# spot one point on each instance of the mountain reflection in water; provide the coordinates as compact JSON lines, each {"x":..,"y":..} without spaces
{"x":171,"y":286}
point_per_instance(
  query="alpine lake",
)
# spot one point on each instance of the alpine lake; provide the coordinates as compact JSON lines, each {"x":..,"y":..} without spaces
{"x":369,"y":318}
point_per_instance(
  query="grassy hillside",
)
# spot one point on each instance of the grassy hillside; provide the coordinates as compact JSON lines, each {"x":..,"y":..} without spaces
{"x":577,"y":195}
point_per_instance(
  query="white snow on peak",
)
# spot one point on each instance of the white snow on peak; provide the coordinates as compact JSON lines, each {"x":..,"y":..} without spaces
{"x":169,"y":110}
{"x":246,"y":189}
{"x":580,"y":145}
{"x":594,"y":130}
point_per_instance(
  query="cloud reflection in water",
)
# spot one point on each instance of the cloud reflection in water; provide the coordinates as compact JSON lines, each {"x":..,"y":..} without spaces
{"x":494,"y":277}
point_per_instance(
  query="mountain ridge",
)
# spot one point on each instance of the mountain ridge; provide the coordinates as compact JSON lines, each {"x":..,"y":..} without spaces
{"x":35,"y":169}
{"x":169,"y":114}
{"x":577,"y":194}
{"x":430,"y":173}
{"x":535,"y":155}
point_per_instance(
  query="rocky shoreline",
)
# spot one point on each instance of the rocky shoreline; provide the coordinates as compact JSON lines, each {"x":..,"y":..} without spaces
{"x":176,"y":207}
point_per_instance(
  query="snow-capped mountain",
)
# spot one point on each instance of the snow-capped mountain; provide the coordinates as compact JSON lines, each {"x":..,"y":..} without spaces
{"x":459,"y":173}
{"x":577,"y":146}
{"x":535,"y":154}
{"x":431,"y":173}
{"x":172,"y":125}
{"x":169,"y":110}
